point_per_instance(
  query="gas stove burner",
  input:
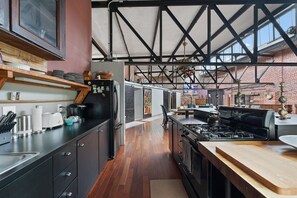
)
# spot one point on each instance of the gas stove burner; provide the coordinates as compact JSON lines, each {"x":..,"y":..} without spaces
{"x":222,"y":132}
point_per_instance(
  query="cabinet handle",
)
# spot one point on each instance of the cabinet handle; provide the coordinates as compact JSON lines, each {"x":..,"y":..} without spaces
{"x":180,"y":141}
{"x":68,"y":174}
{"x":81,"y":145}
{"x":67,"y":154}
{"x":69,"y":194}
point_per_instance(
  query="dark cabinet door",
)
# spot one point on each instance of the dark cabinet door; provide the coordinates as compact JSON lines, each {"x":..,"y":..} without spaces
{"x":103,"y":145}
{"x":34,"y":184}
{"x":87,"y":158}
{"x":4,"y":14}
{"x":41,"y":22}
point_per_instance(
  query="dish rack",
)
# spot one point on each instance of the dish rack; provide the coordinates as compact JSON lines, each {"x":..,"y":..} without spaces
{"x":5,"y":134}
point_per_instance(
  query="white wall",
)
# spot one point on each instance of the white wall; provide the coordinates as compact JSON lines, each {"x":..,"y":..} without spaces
{"x":178,"y":99}
{"x":157,"y":100}
{"x":138,"y":103}
{"x":117,"y":68}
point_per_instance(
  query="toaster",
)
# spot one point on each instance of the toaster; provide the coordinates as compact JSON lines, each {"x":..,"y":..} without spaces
{"x":50,"y":120}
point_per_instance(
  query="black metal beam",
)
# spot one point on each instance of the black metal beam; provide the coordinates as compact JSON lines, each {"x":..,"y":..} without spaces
{"x":264,"y":72}
{"x":123,"y":36}
{"x":94,"y":42}
{"x":249,"y":29}
{"x":194,"y":21}
{"x":180,"y":56}
{"x":279,"y":28}
{"x":155,"y":31}
{"x":142,"y":73}
{"x":293,"y":64}
{"x":136,"y":33}
{"x":110,"y":34}
{"x":256,"y":25}
{"x":209,"y":33}
{"x":245,"y":69}
{"x":156,"y":3}
{"x":233,"y":32}
{"x":161,"y":34}
{"x":185,"y":32}
{"x":223,"y":83}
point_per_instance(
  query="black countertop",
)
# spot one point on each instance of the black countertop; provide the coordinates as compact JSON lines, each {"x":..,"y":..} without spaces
{"x":46,"y":144}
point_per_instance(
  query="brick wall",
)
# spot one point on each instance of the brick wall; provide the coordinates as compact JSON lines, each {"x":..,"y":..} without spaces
{"x":273,"y":75}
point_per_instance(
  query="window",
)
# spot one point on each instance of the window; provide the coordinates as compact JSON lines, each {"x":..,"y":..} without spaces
{"x":265,"y":34}
{"x":249,"y":41}
{"x":227,"y":58}
{"x":285,"y":21}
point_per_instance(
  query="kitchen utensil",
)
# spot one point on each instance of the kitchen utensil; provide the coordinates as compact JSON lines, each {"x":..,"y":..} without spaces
{"x":37,"y":118}
{"x":214,"y":120}
{"x":289,"y":139}
{"x":50,"y":120}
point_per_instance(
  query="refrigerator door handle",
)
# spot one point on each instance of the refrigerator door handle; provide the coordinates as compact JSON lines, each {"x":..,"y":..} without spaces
{"x":116,"y":103}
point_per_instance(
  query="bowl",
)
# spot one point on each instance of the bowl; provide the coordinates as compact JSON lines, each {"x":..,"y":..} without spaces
{"x":69,"y":121}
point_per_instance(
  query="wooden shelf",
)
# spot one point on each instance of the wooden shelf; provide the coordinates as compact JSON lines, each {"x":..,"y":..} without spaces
{"x":11,"y":74}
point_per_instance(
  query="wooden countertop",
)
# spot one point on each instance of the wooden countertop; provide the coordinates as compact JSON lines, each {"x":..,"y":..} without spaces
{"x":247,"y":184}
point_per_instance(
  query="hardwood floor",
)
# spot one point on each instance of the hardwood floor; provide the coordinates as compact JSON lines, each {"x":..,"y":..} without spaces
{"x":144,"y":157}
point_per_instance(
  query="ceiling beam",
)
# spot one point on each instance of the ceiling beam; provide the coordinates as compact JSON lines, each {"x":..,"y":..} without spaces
{"x":156,"y":3}
{"x":249,"y":29}
{"x":279,"y":28}
{"x":233,"y":32}
{"x":136,"y":33}
{"x":185,"y":32}
{"x":293,"y":64}
{"x":99,"y":48}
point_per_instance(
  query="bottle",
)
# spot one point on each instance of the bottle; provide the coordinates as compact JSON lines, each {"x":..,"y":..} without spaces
{"x":37,"y":118}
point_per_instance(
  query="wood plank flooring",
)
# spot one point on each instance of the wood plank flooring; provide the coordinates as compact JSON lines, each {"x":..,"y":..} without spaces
{"x":144,"y":157}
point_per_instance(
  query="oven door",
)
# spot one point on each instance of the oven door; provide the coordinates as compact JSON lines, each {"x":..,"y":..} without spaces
{"x":199,"y":170}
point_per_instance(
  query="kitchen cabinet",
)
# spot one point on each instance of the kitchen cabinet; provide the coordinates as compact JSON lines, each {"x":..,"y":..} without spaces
{"x":64,"y":170}
{"x":4,"y":14}
{"x":33,"y":184}
{"x":87,"y":162}
{"x":103,"y":145}
{"x":41,"y":22}
{"x":177,"y":130}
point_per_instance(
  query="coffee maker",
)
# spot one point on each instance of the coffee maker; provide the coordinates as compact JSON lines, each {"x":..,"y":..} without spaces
{"x":76,"y":110}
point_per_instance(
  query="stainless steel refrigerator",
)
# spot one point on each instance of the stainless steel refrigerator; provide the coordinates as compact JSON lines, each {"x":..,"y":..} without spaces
{"x":103,"y":102}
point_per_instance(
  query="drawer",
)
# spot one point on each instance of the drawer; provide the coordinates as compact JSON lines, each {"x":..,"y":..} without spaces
{"x":71,"y":191}
{"x":63,"y":179}
{"x":64,"y":157}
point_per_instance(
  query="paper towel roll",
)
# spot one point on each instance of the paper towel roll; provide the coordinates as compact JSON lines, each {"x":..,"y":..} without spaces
{"x":37,"y":118}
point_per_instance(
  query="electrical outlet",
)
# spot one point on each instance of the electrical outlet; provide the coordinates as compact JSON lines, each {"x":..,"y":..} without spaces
{"x":60,"y":108}
{"x":6,"y":109}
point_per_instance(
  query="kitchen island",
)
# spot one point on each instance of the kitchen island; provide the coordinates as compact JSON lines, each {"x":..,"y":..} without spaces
{"x":243,"y":178}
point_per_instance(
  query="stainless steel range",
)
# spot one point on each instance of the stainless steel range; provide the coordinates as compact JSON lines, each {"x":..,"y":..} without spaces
{"x":237,"y":124}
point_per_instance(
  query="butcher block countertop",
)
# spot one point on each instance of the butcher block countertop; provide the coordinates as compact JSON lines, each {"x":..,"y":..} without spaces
{"x":257,"y":169}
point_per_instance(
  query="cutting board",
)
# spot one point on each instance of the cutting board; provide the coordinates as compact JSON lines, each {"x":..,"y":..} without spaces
{"x":274,"y":171}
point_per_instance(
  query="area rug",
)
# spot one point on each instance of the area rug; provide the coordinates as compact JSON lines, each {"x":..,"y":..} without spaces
{"x":132,"y":124}
{"x":167,"y":188}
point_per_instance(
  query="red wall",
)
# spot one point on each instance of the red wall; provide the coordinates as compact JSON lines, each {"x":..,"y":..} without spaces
{"x":78,"y":38}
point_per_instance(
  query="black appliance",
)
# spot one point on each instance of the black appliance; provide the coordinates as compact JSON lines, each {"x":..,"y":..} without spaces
{"x":237,"y":124}
{"x":103,"y":102}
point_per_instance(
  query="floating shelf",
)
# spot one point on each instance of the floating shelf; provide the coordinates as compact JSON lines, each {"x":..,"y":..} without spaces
{"x":14,"y":75}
